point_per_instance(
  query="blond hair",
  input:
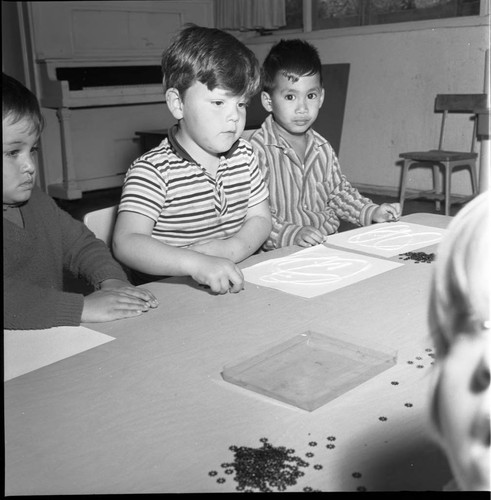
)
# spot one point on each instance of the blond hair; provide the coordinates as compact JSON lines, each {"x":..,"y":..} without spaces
{"x":460,"y":287}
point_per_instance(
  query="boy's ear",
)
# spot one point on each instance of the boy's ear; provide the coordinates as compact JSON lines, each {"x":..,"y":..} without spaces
{"x":266,"y":101}
{"x":322,"y":97}
{"x":174,"y":102}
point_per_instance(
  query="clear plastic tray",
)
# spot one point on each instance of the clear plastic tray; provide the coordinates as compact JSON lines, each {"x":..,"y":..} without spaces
{"x":309,"y":370}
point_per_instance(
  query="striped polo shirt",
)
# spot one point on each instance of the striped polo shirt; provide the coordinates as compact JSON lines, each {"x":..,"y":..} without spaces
{"x":313,"y":193}
{"x":187,"y":204}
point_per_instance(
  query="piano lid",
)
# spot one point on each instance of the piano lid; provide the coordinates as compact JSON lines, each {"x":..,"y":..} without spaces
{"x":69,"y":85}
{"x":80,"y":78}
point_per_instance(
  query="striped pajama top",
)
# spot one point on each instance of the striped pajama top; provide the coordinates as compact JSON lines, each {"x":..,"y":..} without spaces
{"x":187,"y":204}
{"x":314,"y":193}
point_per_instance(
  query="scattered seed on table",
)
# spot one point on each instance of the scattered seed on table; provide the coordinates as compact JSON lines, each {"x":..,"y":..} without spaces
{"x":361,"y":488}
{"x":265,"y":469}
{"x":330,"y":446}
{"x":312,"y":443}
{"x":410,"y":362}
{"x":394,"y":382}
{"x":309,"y":454}
{"x":409,"y":405}
{"x":331,"y":438}
{"x":418,"y":257}
{"x":356,"y":474}
{"x":307,"y":489}
{"x":420,"y":366}
{"x":317,"y":466}
{"x":221,"y":480}
{"x":212,"y":473}
{"x":382,"y":419}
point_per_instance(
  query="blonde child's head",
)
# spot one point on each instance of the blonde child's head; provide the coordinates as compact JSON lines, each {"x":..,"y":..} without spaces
{"x":459,"y":321}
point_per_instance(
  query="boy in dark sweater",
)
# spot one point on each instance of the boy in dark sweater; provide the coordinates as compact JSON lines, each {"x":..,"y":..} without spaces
{"x":40,"y":240}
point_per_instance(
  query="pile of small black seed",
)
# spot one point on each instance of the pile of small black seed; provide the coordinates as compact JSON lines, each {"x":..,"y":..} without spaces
{"x":266,"y":468}
{"x":418,"y":257}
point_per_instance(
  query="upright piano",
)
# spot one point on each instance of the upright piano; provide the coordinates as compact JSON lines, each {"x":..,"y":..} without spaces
{"x":95,"y":67}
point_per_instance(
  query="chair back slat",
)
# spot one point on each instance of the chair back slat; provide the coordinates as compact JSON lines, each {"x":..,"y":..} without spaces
{"x":474,"y":134}
{"x":442,"y":129}
{"x":460,"y":103}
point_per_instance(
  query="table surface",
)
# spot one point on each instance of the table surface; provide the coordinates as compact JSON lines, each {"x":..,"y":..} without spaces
{"x":150,"y":413}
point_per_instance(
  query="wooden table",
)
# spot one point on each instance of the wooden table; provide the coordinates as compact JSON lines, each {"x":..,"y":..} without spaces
{"x":150,"y":413}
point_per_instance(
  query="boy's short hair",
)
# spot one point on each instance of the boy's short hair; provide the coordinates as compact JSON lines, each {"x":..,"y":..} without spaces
{"x":460,"y":289}
{"x":18,"y":102}
{"x":293,"y":59}
{"x":212,"y":57}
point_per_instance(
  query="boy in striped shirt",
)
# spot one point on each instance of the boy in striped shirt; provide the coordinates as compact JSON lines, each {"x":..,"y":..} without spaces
{"x":308,"y":192}
{"x":196,"y":205}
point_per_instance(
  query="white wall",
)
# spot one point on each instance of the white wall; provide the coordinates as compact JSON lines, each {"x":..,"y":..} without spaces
{"x":394,"y":77}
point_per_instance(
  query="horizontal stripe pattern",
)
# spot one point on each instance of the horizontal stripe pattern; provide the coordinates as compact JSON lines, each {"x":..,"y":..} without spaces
{"x":315,"y":193}
{"x":187,"y":204}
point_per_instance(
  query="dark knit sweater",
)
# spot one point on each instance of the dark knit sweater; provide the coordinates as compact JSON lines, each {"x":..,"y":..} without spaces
{"x":35,"y":257}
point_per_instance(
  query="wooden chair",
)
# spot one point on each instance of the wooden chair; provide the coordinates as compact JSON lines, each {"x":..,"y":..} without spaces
{"x":441,"y":158}
{"x":101,"y":223}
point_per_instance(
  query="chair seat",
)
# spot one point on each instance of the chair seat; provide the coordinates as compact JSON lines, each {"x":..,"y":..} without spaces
{"x":438,"y":155}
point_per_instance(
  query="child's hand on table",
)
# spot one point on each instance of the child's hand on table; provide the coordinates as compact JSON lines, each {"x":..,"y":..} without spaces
{"x":221,"y":275}
{"x":308,"y":236}
{"x":127,"y":287}
{"x":116,"y":299}
{"x":387,"y":212}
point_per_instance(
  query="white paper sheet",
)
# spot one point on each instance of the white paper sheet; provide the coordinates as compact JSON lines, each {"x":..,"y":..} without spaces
{"x":388,"y":239}
{"x":28,"y":350}
{"x":316,"y":270}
